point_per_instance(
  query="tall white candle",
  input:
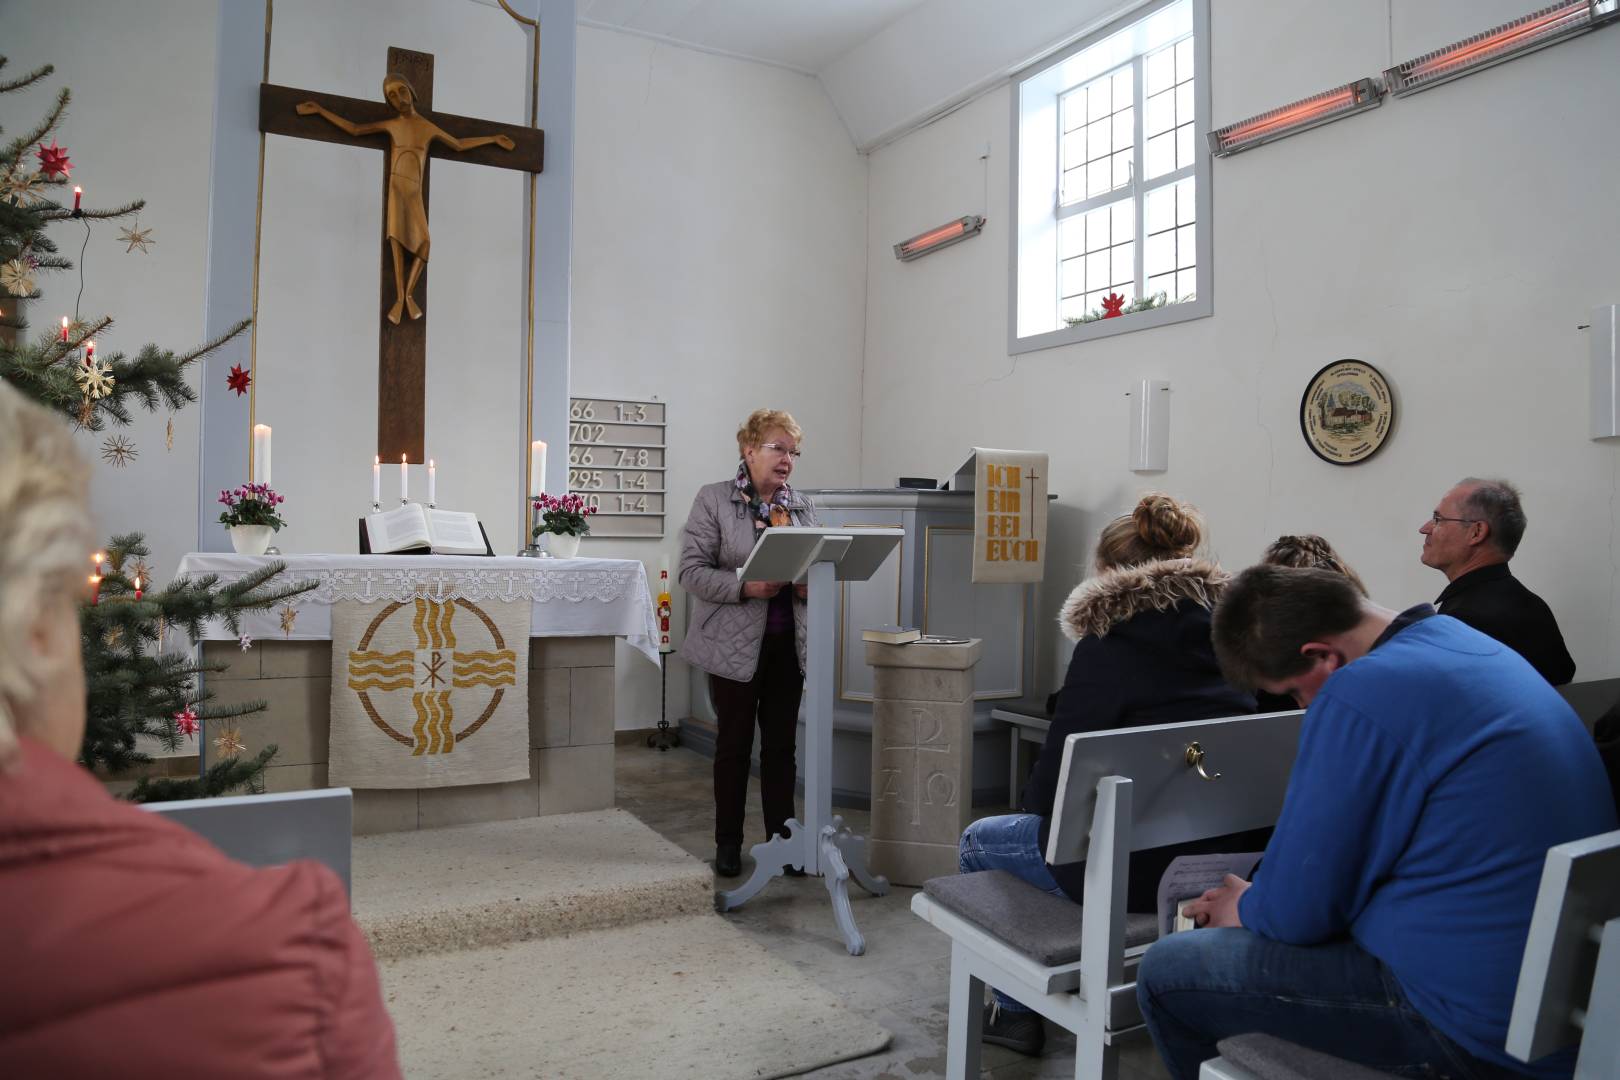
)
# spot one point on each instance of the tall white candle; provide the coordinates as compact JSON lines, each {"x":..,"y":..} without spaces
{"x":537,"y":467}
{"x":261,"y":452}
{"x":433,"y":473}
{"x":404,"y":481}
{"x":376,"y":481}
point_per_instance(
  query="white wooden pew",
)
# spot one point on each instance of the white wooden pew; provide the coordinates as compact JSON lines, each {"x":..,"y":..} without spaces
{"x":1569,"y":982}
{"x":1118,"y":791}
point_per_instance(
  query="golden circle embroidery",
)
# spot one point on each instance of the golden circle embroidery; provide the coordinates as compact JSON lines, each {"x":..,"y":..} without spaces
{"x":442,"y":679}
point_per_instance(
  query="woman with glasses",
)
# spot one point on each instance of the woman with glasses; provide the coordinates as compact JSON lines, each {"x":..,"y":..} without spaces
{"x":748,"y":635}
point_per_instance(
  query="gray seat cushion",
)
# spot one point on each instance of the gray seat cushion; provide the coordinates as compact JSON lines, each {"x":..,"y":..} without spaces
{"x":1043,"y":927}
{"x":1271,"y":1058}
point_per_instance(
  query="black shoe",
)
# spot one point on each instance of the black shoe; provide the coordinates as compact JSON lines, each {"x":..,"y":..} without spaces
{"x":728,"y":860}
{"x":792,"y":871}
{"x":1020,"y":1031}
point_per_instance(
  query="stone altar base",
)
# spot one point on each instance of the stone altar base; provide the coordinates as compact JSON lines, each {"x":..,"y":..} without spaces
{"x":922,"y":758}
{"x":570,"y":733}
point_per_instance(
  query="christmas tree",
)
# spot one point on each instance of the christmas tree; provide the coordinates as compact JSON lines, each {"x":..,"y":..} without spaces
{"x":135,"y":687}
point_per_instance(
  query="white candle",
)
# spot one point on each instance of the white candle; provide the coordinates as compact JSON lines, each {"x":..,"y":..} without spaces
{"x":432,"y":482}
{"x":376,"y":481}
{"x":537,"y":467}
{"x":404,"y":480}
{"x":261,"y":452}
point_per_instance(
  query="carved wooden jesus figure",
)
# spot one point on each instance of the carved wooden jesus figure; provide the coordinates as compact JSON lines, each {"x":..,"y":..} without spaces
{"x":409,"y":136}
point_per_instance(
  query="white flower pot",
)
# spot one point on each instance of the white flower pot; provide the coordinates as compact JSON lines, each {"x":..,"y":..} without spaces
{"x":562,"y":545}
{"x":250,"y":539}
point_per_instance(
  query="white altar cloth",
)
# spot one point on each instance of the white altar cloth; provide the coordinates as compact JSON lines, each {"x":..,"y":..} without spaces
{"x":572,"y":597}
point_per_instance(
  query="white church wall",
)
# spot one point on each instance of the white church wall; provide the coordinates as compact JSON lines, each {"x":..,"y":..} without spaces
{"x":123,"y":146}
{"x":1455,"y":239}
{"x":719,"y":266}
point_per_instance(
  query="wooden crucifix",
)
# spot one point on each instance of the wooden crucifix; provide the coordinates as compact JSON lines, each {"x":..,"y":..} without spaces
{"x":409,"y":132}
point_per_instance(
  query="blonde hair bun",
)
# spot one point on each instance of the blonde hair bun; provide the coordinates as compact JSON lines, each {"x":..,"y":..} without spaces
{"x":1167,"y":525}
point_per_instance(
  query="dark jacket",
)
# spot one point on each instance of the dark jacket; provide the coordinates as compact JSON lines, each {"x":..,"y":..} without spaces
{"x":1142,"y":656}
{"x":1497,"y":604}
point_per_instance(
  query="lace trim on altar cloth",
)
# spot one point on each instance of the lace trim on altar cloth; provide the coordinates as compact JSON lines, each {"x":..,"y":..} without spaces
{"x":574,"y":586}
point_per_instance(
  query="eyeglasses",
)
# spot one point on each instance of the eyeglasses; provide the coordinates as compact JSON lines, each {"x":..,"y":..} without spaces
{"x":780,"y":449}
{"x":1436,"y":518}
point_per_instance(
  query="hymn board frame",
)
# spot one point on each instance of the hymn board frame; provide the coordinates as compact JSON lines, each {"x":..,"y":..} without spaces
{"x":590,"y":421}
{"x":236,"y":199}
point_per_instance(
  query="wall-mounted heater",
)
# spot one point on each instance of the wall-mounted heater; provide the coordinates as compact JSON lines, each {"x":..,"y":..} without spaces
{"x":1323,"y":108}
{"x":951,"y":233}
{"x":1523,"y":35}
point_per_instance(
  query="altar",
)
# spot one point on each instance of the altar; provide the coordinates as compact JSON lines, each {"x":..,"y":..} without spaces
{"x":285,"y":657}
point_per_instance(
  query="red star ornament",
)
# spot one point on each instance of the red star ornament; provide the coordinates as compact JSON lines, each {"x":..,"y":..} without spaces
{"x":1111,"y":305}
{"x":53,"y":161}
{"x":238,"y":380}
{"x":186,"y":721}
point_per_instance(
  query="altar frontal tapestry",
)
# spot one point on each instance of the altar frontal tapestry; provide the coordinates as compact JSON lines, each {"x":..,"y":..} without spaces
{"x":1009,"y":516}
{"x":430,"y":693}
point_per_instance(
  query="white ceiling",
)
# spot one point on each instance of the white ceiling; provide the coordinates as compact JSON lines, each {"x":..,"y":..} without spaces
{"x":887,"y":65}
{"x":805,"y":35}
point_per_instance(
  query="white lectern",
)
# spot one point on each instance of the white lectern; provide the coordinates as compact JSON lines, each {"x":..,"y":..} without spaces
{"x":822,"y":845}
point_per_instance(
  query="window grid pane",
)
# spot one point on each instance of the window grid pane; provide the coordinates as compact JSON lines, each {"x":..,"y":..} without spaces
{"x":1098,"y":249}
{"x":1097,"y":253}
{"x":1099,"y":137}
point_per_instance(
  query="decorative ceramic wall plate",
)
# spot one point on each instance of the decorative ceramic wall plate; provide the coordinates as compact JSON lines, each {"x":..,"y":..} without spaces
{"x":1347,"y":412}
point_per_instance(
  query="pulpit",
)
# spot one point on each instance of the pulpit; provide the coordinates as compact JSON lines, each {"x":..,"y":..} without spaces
{"x":926,"y":584}
{"x":558,"y":665}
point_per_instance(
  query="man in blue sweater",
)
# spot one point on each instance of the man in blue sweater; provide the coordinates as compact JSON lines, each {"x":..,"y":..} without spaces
{"x":1387,"y":921}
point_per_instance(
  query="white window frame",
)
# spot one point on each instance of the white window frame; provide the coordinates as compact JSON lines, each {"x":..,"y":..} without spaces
{"x":1046,"y":211}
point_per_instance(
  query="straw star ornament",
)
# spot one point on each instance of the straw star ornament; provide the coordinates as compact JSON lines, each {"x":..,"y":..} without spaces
{"x":136,"y":237}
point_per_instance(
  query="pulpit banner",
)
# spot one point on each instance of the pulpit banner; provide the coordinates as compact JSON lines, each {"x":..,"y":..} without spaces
{"x":1009,"y":516}
{"x":429,"y":693}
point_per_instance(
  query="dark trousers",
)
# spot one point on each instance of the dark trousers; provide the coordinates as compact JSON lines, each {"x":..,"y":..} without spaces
{"x":772,"y":696}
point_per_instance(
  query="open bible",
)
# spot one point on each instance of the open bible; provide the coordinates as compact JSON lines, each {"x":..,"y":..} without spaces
{"x":413,"y":529}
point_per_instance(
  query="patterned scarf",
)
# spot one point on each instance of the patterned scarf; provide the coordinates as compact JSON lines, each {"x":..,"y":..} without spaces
{"x":776,"y":512}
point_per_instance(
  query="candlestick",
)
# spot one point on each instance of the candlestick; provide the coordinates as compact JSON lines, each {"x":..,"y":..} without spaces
{"x":261,"y":452}
{"x":537,"y":467}
{"x":376,"y":483}
{"x":78,"y":193}
{"x":404,"y":481}
{"x":64,"y":327}
{"x":433,"y":476}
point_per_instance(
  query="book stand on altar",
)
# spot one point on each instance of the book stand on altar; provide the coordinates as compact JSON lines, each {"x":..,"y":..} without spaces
{"x":821,"y":845}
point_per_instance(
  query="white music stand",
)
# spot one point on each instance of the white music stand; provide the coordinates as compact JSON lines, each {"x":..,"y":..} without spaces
{"x":821,"y":845}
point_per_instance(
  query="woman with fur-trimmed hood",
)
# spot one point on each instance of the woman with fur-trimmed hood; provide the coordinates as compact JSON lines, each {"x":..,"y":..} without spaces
{"x":1142,"y":655}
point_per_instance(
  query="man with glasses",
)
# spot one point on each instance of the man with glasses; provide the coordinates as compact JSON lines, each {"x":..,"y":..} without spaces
{"x":1470,"y":537}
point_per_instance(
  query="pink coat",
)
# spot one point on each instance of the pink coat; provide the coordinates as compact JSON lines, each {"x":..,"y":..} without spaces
{"x":131,"y":947}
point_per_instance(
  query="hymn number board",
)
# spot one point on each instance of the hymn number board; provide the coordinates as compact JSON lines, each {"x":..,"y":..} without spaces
{"x":616,"y":461}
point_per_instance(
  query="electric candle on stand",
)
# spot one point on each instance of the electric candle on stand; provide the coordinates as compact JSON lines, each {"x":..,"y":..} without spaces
{"x":433,"y":476}
{"x":404,"y":481}
{"x":537,"y":467}
{"x":78,"y":193}
{"x":261,"y":452}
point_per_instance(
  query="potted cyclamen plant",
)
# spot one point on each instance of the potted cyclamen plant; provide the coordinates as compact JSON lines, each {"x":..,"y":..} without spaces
{"x":564,"y":518}
{"x":250,"y":516}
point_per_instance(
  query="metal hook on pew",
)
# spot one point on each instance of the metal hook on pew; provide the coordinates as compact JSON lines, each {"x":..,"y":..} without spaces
{"x":1195,"y":760}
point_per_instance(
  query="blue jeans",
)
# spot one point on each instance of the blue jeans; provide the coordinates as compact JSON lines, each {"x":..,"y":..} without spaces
{"x":1199,"y":986}
{"x":1010,"y":842}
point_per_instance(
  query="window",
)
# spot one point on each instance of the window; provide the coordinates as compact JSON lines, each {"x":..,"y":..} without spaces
{"x":1111,"y":180}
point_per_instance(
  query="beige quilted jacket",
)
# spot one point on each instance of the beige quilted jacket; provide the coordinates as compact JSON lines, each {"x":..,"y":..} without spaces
{"x":724,"y":634}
